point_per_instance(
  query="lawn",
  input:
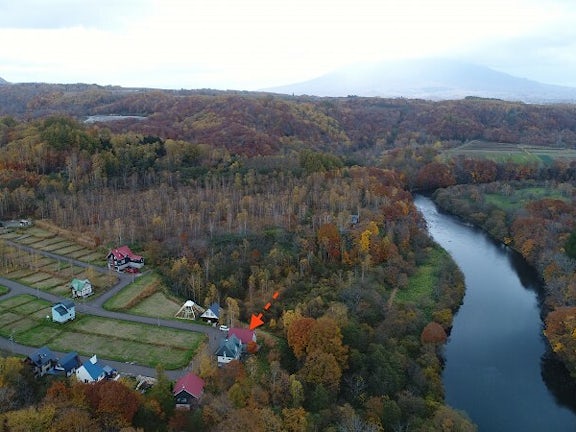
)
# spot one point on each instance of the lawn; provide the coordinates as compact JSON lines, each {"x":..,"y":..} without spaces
{"x":3,"y":290}
{"x":150,"y":282}
{"x":518,"y":198}
{"x":157,"y":305}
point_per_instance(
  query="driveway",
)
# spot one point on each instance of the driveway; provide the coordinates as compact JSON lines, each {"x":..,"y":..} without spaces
{"x":94,"y":307}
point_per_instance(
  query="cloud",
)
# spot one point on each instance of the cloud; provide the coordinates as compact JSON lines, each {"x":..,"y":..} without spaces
{"x":250,"y":44}
{"x":53,"y":14}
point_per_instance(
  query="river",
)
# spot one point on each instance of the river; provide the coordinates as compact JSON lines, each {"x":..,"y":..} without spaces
{"x":496,"y":369}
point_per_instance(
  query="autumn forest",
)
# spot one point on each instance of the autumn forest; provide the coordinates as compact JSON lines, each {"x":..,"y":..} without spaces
{"x":233,"y":196}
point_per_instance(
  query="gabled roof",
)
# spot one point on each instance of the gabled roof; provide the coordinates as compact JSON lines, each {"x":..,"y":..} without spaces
{"x":231,"y":347}
{"x":79,"y":284}
{"x":212,"y":312}
{"x":122,"y":252}
{"x":191,"y":384}
{"x":70,"y":361}
{"x":67,"y":304}
{"x":93,"y":369}
{"x":244,"y":334}
{"x":43,"y":356}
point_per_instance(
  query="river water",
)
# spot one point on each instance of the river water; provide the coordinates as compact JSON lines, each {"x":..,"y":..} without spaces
{"x":496,"y":369}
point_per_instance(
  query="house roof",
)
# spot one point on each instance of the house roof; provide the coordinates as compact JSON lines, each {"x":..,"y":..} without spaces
{"x":244,"y":334}
{"x":60,"y":309}
{"x":42,"y":356}
{"x":212,"y":312}
{"x":79,"y":284}
{"x":191,"y":384}
{"x":70,"y":361}
{"x":230,"y":347}
{"x":67,"y":304}
{"x":122,"y":252}
{"x":93,"y":369}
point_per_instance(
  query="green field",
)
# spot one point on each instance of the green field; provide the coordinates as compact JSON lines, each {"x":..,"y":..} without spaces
{"x":146,"y":296}
{"x":3,"y":290}
{"x":510,"y":152}
{"x":518,"y":198}
{"x":24,"y":318}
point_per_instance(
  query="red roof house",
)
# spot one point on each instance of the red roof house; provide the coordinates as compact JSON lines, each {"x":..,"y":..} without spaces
{"x":188,"y":390}
{"x":245,"y":335}
{"x":122,"y":258}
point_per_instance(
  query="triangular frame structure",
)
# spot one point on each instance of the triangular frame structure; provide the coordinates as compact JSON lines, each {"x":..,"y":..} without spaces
{"x":189,"y":310}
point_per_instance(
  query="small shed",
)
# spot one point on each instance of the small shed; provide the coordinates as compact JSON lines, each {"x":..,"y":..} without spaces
{"x":81,"y":288}
{"x":188,"y":390}
{"x":63,"y":311}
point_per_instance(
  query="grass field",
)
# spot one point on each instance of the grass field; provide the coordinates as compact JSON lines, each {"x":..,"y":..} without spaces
{"x":421,"y":285}
{"x":518,"y":198}
{"x":24,"y":318}
{"x":517,"y":153}
{"x":3,"y":290}
{"x":147,"y":296}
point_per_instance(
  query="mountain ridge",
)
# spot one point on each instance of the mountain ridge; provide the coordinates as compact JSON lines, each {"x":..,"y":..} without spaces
{"x":432,"y":79}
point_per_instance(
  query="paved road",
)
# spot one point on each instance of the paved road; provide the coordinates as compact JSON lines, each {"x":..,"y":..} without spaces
{"x":93,"y":306}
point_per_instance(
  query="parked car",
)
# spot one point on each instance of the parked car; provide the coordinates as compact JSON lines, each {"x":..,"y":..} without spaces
{"x":224,"y":328}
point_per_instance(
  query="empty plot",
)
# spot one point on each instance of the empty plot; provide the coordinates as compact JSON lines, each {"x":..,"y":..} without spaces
{"x":55,"y":246}
{"x":157,"y":305}
{"x":35,"y":277}
{"x":16,"y":301}
{"x":39,"y":334}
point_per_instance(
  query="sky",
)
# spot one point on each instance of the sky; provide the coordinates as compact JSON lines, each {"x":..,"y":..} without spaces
{"x":255,"y":44}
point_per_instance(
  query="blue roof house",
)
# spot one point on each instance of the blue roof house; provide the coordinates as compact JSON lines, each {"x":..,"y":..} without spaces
{"x":230,"y":349}
{"x":212,"y":314}
{"x":91,"y":371}
{"x":68,"y":364}
{"x":41,"y":361}
{"x":63,"y":311}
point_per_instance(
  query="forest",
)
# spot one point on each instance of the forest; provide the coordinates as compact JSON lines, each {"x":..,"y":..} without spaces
{"x":234,"y":196}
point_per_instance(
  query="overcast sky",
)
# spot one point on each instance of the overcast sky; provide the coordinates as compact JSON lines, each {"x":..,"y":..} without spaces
{"x":252,"y":44}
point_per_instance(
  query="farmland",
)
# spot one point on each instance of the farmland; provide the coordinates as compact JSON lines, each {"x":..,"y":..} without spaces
{"x":510,"y":152}
{"x":46,"y":273}
{"x":24,"y":318}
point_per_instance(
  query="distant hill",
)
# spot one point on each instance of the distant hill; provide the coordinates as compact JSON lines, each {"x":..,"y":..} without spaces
{"x":3,"y":81}
{"x":428,"y":79}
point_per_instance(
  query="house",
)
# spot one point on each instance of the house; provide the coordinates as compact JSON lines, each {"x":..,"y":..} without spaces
{"x":123,"y":258}
{"x":188,"y":390}
{"x":245,"y":335}
{"x":67,"y":365}
{"x":92,"y":371}
{"x":63,"y":311}
{"x":229,"y":349}
{"x":81,"y":288}
{"x":42,"y":361}
{"x":212,"y":314}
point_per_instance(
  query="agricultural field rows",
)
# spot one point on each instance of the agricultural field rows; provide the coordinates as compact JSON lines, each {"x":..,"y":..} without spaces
{"x":27,"y":320}
{"x":517,"y":153}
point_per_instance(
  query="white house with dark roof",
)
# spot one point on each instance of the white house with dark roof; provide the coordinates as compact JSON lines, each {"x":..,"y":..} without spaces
{"x":63,"y":311}
{"x":68,"y":364}
{"x":229,"y":349}
{"x":212,"y":314}
{"x":42,"y":361}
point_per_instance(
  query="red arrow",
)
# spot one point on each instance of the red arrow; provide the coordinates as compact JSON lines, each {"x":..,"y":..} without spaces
{"x":256,"y":321}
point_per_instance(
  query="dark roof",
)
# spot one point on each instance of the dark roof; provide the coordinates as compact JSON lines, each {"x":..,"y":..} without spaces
{"x":191,"y":384}
{"x":70,"y":361}
{"x":230,"y":347}
{"x":61,"y":309}
{"x":43,"y":356}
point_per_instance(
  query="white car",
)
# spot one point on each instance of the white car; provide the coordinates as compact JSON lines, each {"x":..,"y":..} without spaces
{"x":224,"y":328}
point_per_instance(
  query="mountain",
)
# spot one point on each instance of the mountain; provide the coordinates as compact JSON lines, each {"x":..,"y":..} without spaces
{"x":434,"y":79}
{"x":3,"y":81}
